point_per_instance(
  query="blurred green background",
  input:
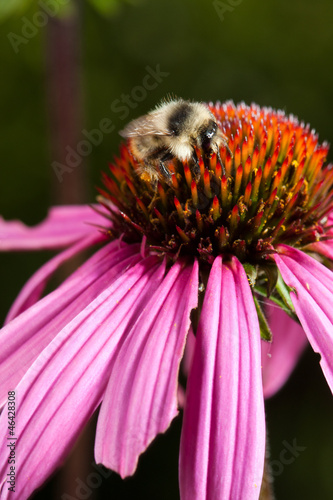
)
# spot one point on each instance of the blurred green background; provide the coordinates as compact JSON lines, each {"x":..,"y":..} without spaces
{"x":276,"y":54}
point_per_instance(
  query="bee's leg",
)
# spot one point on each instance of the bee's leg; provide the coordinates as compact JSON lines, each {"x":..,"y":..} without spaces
{"x":154,"y":186}
{"x":206,"y":160}
{"x":148,"y":174}
{"x":164,"y":169}
{"x":196,"y":166}
{"x":229,"y":150}
{"x":225,"y":144}
{"x":220,"y":160}
{"x":152,"y":203}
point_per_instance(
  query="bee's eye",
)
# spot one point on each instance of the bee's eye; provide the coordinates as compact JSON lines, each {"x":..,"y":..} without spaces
{"x":207,"y":133}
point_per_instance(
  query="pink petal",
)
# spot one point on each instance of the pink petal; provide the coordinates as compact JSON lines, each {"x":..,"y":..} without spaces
{"x":324,"y":248}
{"x":141,"y":397}
{"x":33,"y":289}
{"x":58,"y":394}
{"x":181,"y":396}
{"x":186,"y":364}
{"x":223,"y":437}
{"x":330,"y":217}
{"x":312,"y":301}
{"x":24,"y":338}
{"x":280,"y":356}
{"x":63,"y":226}
{"x":189,"y":352}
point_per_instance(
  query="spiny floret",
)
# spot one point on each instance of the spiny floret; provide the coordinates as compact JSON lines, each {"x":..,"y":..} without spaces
{"x":277,"y":188}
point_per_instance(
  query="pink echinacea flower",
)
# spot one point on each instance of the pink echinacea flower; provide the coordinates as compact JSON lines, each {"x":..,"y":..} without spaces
{"x":202,"y":254}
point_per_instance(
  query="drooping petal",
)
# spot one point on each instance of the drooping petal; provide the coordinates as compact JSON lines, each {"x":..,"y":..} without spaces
{"x":186,"y":364}
{"x":141,"y":397}
{"x":24,"y":338}
{"x":63,"y":226}
{"x":324,"y":248}
{"x":330,"y":217}
{"x":280,"y":356}
{"x":60,"y":392}
{"x":223,"y":436}
{"x":312,"y":299}
{"x":34,"y":287}
{"x":189,"y":352}
{"x":181,"y":396}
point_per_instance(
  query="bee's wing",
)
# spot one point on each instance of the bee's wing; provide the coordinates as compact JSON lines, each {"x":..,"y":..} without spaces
{"x":151,"y":124}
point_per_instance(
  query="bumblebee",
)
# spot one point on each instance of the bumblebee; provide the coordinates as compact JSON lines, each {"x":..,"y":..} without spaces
{"x":174,"y":129}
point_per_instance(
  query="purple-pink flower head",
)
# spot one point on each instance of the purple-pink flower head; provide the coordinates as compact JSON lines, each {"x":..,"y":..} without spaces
{"x":189,"y":260}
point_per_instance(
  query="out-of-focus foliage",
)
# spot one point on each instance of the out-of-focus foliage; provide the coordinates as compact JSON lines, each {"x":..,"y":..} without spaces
{"x":109,"y":7}
{"x":20,"y":7}
{"x":62,"y":7}
{"x":9,"y":7}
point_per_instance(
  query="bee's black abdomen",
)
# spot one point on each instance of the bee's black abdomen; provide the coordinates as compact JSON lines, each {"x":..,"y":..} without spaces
{"x":178,"y":118}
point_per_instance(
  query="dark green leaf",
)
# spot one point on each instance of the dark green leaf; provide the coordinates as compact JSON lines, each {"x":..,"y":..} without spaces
{"x":251,"y":272}
{"x":272,"y":273}
{"x":284,"y":292}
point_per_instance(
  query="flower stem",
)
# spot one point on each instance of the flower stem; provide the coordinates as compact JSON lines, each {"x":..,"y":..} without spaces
{"x":65,"y":116}
{"x":65,"y":105}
